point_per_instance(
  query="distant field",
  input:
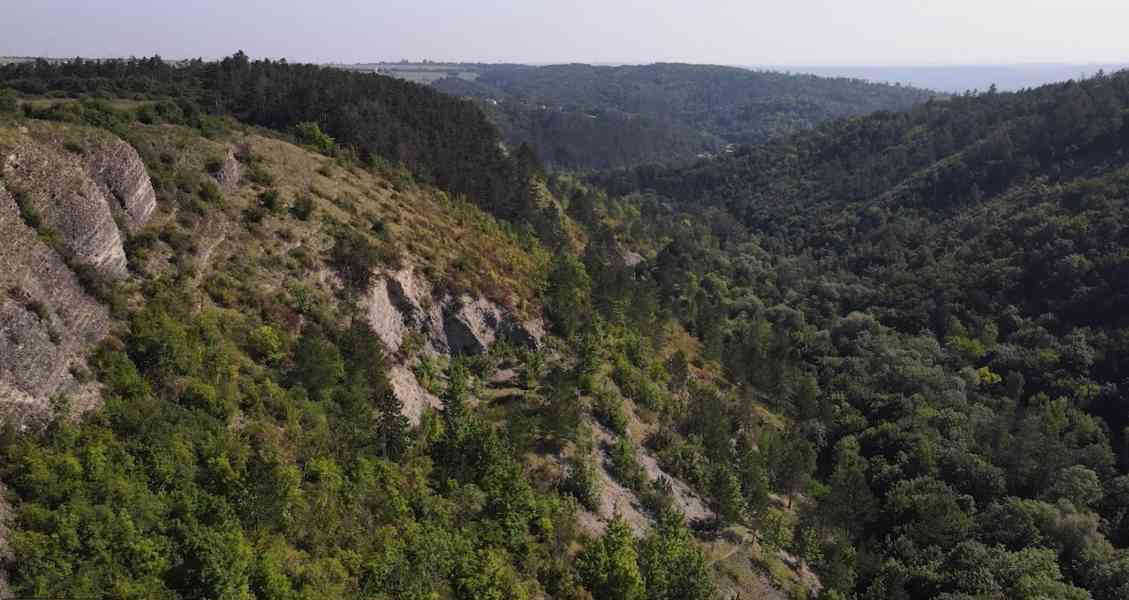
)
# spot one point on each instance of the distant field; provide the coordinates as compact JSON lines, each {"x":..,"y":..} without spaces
{"x":40,"y":103}
{"x":425,"y":73}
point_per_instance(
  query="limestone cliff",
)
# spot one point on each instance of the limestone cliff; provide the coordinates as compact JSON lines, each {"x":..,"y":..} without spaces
{"x":58,"y":197}
{"x":55,"y":187}
{"x":402,"y":302}
{"x":121,"y":175}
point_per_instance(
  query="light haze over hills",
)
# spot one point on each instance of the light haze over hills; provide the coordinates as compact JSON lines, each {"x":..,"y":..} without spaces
{"x":959,"y":78}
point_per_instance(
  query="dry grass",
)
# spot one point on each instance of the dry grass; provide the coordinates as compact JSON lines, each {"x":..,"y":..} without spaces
{"x":457,"y":246}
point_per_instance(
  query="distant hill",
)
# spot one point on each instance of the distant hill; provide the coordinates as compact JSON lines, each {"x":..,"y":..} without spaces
{"x":592,"y":117}
{"x":956,"y":277}
{"x":959,"y":78}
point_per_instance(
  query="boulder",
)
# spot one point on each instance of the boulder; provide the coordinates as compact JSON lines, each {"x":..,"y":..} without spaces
{"x":401,"y":301}
{"x":47,"y":320}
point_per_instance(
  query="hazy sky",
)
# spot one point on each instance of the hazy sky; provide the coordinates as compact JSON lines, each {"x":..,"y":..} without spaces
{"x":747,"y":32}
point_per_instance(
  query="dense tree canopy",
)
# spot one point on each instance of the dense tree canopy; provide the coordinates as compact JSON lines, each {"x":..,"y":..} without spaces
{"x":440,"y":138}
{"x":595,"y":117}
{"x":953,"y":277}
{"x":892,"y":345}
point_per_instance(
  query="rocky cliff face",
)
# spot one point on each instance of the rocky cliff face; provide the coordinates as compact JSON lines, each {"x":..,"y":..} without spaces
{"x":55,"y":187}
{"x":57,"y":205}
{"x":121,"y":175}
{"x":230,"y":173}
{"x":402,"y":303}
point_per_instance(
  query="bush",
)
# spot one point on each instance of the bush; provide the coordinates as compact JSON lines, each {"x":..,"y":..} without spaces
{"x":201,"y":396}
{"x":8,"y":102}
{"x":658,"y":497}
{"x":608,"y":409}
{"x":254,"y":215}
{"x":583,"y":483}
{"x":269,"y":200}
{"x":310,"y":134}
{"x":258,"y":175}
{"x":355,"y":257}
{"x":625,"y":465}
{"x":28,"y":213}
{"x":266,"y":344}
{"x":210,"y":193}
{"x":303,"y":206}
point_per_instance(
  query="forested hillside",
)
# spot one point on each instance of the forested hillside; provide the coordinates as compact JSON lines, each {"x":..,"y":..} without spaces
{"x":877,"y":359}
{"x":953,"y":282}
{"x":586,"y":117}
{"x":440,"y":139}
{"x":317,"y":375}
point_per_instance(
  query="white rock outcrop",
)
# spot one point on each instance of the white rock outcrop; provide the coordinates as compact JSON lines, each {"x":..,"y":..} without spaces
{"x":121,"y":174}
{"x":48,"y":320}
{"x":401,"y":303}
{"x":408,"y":390}
{"x":55,"y":186}
{"x":230,"y":173}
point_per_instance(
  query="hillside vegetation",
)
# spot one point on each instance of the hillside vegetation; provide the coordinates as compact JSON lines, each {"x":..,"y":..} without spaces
{"x":591,"y":117}
{"x":250,"y":434}
{"x":881,"y":358}
{"x":952,"y":279}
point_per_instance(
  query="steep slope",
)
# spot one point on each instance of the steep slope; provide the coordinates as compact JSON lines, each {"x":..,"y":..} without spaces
{"x":586,"y":117}
{"x":321,"y":375}
{"x":226,"y":250}
{"x":937,"y":299}
{"x":441,"y":139}
{"x":59,"y":193}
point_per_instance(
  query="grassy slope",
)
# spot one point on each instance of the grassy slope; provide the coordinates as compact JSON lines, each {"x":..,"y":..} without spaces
{"x":456,"y":245}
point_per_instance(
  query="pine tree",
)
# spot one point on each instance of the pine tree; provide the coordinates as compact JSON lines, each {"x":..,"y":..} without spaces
{"x":392,"y":427}
{"x":609,"y":567}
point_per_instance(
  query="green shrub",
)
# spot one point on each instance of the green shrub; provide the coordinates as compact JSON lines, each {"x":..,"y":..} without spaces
{"x":28,"y":213}
{"x":8,"y":101}
{"x":355,"y":257}
{"x":93,"y":281}
{"x":201,"y":396}
{"x":583,"y":482}
{"x":254,"y":214}
{"x":658,"y":497}
{"x":625,"y":464}
{"x":608,"y":409}
{"x":210,"y":193}
{"x":310,"y":134}
{"x":269,"y":200}
{"x":258,"y":175}
{"x":318,"y":363}
{"x":303,"y":206}
{"x":266,"y":344}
